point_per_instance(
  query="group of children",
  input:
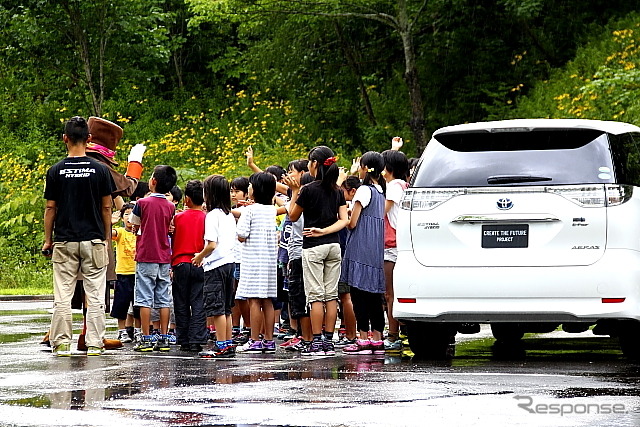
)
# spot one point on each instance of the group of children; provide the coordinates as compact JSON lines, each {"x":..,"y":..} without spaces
{"x":278,"y":244}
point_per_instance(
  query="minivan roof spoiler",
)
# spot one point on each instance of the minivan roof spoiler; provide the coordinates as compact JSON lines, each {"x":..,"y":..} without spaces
{"x":526,"y":125}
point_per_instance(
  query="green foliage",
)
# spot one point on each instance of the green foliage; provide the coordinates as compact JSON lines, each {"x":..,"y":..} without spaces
{"x":198,"y":81}
{"x":600,"y":83}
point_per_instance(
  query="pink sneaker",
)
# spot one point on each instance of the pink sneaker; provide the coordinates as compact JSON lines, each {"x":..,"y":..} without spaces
{"x":292,"y":341}
{"x":377,"y":347}
{"x":360,"y":347}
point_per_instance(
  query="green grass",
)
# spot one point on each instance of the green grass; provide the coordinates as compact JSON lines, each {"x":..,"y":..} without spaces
{"x":27,"y":291}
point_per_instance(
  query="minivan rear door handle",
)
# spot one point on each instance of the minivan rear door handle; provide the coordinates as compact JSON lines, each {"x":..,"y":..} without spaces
{"x":504,"y":218}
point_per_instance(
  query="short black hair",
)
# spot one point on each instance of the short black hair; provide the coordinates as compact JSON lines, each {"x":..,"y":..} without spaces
{"x":277,"y":171}
{"x":125,"y":207}
{"x":165,"y":177}
{"x":141,"y":190}
{"x":77,"y":129}
{"x":264,"y":187}
{"x":217,"y":193}
{"x":240,"y":183}
{"x":300,"y":165}
{"x":352,"y":182}
{"x":176,"y":193}
{"x":397,"y":163}
{"x":194,"y":191}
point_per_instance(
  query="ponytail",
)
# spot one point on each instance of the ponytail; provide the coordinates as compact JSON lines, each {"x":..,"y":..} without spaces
{"x":374,"y":162}
{"x":327,"y":171}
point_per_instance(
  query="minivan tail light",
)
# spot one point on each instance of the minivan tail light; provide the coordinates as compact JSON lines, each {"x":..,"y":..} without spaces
{"x":423,"y":199}
{"x":588,"y":196}
{"x":618,"y":194}
{"x":594,"y":195}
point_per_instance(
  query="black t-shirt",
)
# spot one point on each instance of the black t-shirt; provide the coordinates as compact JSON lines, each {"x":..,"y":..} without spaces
{"x":77,"y":185}
{"x":320,"y":210}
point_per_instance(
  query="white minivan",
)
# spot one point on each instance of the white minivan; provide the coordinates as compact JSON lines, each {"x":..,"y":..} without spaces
{"x":525,"y":225}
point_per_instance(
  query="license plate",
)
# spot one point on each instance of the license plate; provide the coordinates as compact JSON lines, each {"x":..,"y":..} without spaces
{"x":505,"y":236}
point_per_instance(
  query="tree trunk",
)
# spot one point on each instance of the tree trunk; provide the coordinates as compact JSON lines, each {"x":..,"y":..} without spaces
{"x":417,"y":121}
{"x":348,"y":53}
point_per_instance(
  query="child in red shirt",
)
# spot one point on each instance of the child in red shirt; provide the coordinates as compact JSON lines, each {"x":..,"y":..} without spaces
{"x":188,"y":280}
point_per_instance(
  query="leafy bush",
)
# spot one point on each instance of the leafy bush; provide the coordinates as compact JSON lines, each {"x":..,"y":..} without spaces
{"x":600,"y":83}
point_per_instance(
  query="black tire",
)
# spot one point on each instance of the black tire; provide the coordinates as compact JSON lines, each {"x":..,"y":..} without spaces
{"x":507,"y":332}
{"x":629,"y":339}
{"x":432,"y":341}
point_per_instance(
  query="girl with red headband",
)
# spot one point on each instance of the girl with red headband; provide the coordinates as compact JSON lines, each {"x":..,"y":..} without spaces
{"x":325,"y":214}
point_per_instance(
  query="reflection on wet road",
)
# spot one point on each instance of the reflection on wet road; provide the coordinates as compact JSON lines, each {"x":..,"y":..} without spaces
{"x":551,"y":380}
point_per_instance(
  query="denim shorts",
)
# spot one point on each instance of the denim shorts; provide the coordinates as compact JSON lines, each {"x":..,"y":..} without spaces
{"x":152,"y":285}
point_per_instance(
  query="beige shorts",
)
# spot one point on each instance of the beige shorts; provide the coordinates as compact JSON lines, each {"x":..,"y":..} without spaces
{"x":321,"y":271}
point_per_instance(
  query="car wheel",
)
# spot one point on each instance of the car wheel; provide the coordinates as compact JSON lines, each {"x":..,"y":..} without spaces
{"x":431,"y":341}
{"x":628,"y":334}
{"x":507,"y":332}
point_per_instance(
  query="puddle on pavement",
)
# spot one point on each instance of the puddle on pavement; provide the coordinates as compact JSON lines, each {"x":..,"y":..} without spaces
{"x":593,"y":392}
{"x":76,"y":399}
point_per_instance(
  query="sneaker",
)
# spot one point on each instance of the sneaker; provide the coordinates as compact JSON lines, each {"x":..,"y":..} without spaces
{"x":392,"y":347}
{"x":291,"y":335}
{"x":377,"y":347}
{"x":144,"y":345}
{"x":223,"y":353}
{"x":269,"y":346}
{"x":240,"y":340}
{"x":155,"y":336}
{"x":299,"y":346}
{"x":316,"y":348}
{"x":173,"y":340}
{"x":162,"y":344}
{"x":95,"y":351}
{"x":62,"y":350}
{"x":244,"y":347}
{"x":359,"y":347}
{"x":343,"y":342}
{"x":255,"y":347}
{"x":137,"y":337}
{"x":123,"y":336}
{"x":291,"y":342}
{"x":329,"y":349}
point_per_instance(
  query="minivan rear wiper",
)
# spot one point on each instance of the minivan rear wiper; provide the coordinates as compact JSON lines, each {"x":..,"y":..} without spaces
{"x":510,"y":179}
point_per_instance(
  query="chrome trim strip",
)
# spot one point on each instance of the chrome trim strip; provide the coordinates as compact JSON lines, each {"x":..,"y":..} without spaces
{"x":506,"y":218}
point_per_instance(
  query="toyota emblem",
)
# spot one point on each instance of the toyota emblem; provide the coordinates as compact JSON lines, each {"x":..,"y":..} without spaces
{"x":505,"y":203}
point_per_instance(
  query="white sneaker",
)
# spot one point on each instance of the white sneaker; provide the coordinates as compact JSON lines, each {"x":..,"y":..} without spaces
{"x":244,"y":347}
{"x":123,"y":336}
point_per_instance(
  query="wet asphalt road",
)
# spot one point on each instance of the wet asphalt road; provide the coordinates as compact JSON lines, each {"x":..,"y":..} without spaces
{"x":555,"y":379}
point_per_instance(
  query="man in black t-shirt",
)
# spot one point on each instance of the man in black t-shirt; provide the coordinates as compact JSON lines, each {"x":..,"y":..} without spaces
{"x":77,"y":222}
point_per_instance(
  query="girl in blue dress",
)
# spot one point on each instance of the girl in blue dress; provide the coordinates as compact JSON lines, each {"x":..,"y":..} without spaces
{"x":363,"y":261}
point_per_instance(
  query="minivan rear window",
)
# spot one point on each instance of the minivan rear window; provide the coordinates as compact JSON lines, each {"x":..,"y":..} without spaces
{"x":626,"y":158}
{"x":516,"y":157}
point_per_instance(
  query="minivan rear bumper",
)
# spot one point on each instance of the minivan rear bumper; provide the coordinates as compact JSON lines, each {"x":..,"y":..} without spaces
{"x":519,"y":294}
